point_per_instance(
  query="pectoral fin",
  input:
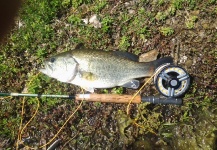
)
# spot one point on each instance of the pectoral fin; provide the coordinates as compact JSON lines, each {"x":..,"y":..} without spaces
{"x":133,"y":84}
{"x":88,"y":76}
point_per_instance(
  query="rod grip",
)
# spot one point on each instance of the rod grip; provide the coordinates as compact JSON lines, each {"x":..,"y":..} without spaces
{"x":108,"y":98}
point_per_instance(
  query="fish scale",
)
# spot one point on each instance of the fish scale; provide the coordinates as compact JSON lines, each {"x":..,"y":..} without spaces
{"x":108,"y":65}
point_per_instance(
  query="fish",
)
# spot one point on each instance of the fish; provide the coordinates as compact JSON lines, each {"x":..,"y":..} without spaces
{"x":93,"y":69}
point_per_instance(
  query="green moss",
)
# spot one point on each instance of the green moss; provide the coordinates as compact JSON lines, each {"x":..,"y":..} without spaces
{"x":149,"y":121}
{"x":161,"y":16}
{"x":190,"y":23}
{"x":124,"y":43}
{"x":201,"y":134}
{"x":166,"y":31}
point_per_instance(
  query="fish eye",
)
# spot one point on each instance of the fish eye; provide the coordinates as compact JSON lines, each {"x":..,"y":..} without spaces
{"x":52,"y":60}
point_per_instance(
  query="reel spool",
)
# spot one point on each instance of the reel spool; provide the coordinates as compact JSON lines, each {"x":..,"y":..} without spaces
{"x":172,"y":81}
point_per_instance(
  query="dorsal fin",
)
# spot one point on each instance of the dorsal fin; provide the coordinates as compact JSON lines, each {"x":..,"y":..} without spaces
{"x":126,"y":55}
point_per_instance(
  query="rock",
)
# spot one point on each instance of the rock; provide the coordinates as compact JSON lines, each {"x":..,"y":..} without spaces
{"x":149,"y":56}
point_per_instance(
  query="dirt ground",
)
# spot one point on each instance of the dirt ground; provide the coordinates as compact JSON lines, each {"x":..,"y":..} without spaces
{"x":185,"y":30}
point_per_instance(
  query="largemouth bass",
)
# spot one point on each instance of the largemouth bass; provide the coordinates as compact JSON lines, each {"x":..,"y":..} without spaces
{"x":92,"y":69}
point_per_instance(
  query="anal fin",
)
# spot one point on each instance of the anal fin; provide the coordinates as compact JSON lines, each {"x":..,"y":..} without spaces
{"x":133,"y":84}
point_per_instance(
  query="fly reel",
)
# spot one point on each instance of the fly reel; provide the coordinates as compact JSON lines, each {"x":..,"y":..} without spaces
{"x":171,"y":80}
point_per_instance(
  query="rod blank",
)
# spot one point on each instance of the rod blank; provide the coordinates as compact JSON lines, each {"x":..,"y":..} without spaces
{"x":37,"y":95}
{"x":105,"y":98}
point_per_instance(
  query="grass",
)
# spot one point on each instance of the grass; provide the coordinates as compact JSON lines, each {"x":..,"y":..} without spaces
{"x":44,"y":28}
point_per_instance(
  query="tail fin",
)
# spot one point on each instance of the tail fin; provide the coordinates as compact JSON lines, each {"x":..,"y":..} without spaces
{"x":161,"y":61}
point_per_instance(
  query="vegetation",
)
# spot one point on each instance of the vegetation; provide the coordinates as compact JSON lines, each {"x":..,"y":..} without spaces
{"x":181,"y":28}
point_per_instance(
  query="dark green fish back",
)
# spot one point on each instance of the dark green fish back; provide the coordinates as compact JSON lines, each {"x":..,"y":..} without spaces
{"x":110,"y":65}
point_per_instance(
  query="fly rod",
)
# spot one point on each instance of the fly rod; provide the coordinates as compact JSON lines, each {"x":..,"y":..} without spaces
{"x":105,"y":98}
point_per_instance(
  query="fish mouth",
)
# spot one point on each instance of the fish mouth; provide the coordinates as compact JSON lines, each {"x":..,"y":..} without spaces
{"x":43,"y":70}
{"x":46,"y":68}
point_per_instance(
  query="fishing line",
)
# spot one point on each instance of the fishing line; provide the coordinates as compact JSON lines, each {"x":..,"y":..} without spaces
{"x":20,"y":134}
{"x":128,"y":106}
{"x":36,"y":111}
{"x":21,"y":130}
{"x":69,"y":140}
{"x":79,"y":106}
{"x":22,"y":113}
{"x":5,"y":97}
